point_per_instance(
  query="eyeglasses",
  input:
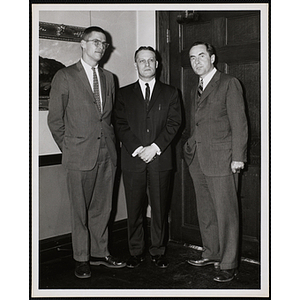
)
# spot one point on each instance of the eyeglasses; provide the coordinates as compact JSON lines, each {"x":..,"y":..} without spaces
{"x":98,"y":43}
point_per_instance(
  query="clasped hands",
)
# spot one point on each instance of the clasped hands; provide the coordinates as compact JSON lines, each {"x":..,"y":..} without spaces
{"x":148,"y":153}
{"x":236,"y":166}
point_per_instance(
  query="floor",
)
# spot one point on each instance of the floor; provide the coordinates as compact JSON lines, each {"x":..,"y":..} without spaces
{"x":58,"y":273}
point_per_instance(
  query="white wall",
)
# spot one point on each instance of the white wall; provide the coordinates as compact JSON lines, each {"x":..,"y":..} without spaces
{"x":129,"y":30}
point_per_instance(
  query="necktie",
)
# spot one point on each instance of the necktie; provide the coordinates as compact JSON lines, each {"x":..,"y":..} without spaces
{"x":96,"y":89}
{"x":147,"y":95}
{"x":200,"y":87}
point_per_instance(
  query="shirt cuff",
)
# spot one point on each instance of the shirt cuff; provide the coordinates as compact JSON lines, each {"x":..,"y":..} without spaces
{"x":158,"y":152}
{"x":137,"y":151}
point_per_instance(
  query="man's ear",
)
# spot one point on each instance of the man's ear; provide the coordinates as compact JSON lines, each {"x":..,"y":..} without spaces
{"x":82,"y":43}
{"x":135,"y":66}
{"x":212,"y":58}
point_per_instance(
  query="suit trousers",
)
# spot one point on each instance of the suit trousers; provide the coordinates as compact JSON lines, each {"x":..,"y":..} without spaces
{"x":218,"y":215}
{"x":90,"y":195}
{"x":136,"y":184}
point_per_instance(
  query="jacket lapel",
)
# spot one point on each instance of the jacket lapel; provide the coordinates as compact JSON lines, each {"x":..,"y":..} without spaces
{"x":210,"y":87}
{"x":103,"y":86}
{"x":84,"y":79}
{"x":155,"y":93}
{"x":138,"y":92}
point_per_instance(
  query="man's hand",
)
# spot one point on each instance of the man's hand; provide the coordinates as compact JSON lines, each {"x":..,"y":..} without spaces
{"x":148,"y":153}
{"x":236,"y":166}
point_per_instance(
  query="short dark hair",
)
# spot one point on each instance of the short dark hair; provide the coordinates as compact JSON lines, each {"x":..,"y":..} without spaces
{"x":209,"y":48}
{"x":144,"y":48}
{"x":91,"y":29}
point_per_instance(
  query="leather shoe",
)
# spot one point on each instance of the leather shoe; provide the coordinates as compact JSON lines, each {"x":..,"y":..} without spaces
{"x":226,"y":275}
{"x":204,"y":262}
{"x":107,"y":261}
{"x":134,"y":261}
{"x":82,"y":270}
{"x":160,"y":261}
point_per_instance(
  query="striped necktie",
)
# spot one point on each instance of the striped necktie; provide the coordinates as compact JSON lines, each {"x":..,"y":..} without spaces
{"x":96,"y":89}
{"x":200,"y":87}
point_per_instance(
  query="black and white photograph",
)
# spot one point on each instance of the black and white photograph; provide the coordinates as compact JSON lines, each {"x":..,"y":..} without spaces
{"x":150,"y":150}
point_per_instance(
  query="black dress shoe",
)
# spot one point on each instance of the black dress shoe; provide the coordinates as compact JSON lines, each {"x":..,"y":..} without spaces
{"x":82,"y":270}
{"x":134,"y":261}
{"x":108,"y":261}
{"x":204,"y":262}
{"x":226,"y":275}
{"x":160,"y":261}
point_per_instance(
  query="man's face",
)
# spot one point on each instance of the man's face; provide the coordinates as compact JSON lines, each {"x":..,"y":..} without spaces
{"x":92,"y":53}
{"x":200,"y":60}
{"x":146,"y":64}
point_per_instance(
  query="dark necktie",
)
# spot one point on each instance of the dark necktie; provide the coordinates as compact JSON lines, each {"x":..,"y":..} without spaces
{"x":200,"y":87}
{"x":96,"y":89}
{"x":147,"y":95}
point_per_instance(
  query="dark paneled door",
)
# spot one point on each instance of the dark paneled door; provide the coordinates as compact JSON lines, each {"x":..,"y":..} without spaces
{"x":236,"y":37}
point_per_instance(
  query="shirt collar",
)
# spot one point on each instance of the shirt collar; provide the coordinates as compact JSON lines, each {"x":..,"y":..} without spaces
{"x":151,"y":84}
{"x":208,"y":77}
{"x":87,"y":66}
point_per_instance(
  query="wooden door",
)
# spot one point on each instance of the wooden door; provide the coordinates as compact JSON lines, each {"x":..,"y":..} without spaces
{"x":236,"y":37}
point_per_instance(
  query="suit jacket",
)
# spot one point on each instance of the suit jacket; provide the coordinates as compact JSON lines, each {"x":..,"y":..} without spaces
{"x":218,"y":126}
{"x":136,"y":126}
{"x":75,"y":120}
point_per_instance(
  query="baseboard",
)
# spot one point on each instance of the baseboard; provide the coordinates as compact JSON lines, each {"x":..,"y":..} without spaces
{"x":50,"y":160}
{"x":60,"y":246}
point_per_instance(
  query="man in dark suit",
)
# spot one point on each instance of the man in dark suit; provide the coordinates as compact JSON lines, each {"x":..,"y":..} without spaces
{"x":214,"y":152}
{"x":148,"y":116}
{"x":81,"y":102}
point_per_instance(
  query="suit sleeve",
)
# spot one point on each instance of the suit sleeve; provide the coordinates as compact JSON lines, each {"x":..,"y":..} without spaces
{"x":238,"y":121}
{"x":123,"y":131}
{"x":57,"y":104}
{"x":173,"y":122}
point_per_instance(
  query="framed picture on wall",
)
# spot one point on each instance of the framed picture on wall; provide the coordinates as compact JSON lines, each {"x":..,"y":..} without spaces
{"x":59,"y":46}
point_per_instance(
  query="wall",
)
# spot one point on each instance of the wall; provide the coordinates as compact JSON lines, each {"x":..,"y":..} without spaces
{"x":128,"y":30}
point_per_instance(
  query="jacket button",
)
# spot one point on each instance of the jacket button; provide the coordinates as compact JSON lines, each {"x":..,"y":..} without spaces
{"x":98,"y":137}
{"x":148,"y":130}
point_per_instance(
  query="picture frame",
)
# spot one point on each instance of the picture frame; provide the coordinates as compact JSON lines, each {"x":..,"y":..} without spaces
{"x":58,"y":47}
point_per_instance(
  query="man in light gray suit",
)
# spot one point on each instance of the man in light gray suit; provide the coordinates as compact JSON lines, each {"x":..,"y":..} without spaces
{"x":214,"y":152}
{"x":81,"y":101}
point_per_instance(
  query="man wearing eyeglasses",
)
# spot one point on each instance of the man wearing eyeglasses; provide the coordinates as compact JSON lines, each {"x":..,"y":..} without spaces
{"x":148,"y":116}
{"x":81,"y":102}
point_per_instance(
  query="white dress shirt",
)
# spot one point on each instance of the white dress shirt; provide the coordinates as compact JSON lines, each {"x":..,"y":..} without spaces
{"x":143,"y":86}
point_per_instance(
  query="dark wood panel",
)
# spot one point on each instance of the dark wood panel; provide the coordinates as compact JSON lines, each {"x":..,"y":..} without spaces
{"x":242,"y":53}
{"x":192,"y":33}
{"x":189,"y":80}
{"x":163,"y":39}
{"x":249,"y":76}
{"x":191,"y":235}
{"x":243,"y":30}
{"x":219,"y":36}
{"x":250,"y":203}
{"x":189,"y":204}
